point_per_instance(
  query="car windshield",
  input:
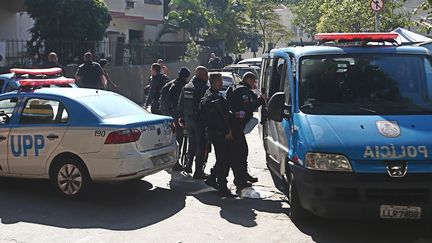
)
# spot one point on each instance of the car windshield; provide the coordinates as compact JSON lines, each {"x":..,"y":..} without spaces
{"x":111,"y":105}
{"x":366,"y":84}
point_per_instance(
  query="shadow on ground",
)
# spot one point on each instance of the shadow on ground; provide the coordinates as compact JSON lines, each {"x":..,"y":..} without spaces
{"x":115,"y":206}
{"x":234,"y":210}
{"x":335,"y":231}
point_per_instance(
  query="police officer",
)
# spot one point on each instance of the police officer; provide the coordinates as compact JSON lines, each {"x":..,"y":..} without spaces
{"x":218,"y":122}
{"x":175,"y":89}
{"x":189,"y":114}
{"x":157,"y":81}
{"x":243,"y":102}
{"x":90,"y":74}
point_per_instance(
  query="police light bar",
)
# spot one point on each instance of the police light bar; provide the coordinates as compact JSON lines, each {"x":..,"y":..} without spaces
{"x":43,"y":82}
{"x":44,"y":71}
{"x":324,"y":37}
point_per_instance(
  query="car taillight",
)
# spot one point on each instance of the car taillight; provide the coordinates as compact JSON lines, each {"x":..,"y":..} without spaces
{"x":123,"y":136}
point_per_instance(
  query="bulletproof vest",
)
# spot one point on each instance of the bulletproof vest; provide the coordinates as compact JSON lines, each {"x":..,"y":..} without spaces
{"x":239,"y":97}
{"x":192,"y":94}
{"x":90,"y":74}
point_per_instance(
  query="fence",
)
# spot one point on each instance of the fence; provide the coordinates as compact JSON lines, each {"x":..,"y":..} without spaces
{"x":17,"y":53}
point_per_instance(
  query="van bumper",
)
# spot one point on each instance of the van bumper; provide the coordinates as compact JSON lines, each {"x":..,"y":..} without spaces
{"x":360,"y":195}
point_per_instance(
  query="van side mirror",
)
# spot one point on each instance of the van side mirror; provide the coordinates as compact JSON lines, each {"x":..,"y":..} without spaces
{"x":277,"y":110}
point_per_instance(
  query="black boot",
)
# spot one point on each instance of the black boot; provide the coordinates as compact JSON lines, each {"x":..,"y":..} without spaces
{"x":211,"y":180}
{"x":178,"y":167}
{"x":250,"y":178}
{"x":242,"y":184}
{"x":200,"y":175}
{"x":223,"y":191}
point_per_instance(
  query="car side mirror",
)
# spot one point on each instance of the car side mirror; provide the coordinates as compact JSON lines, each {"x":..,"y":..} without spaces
{"x":277,"y":110}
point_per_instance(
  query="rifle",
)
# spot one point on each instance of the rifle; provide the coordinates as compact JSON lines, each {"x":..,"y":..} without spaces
{"x":184,"y":147}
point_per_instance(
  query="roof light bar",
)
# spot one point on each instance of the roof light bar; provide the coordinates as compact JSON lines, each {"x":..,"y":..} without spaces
{"x":324,"y":37}
{"x":42,"y":82}
{"x":44,"y":71}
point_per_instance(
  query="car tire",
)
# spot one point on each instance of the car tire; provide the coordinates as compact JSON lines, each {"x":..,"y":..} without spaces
{"x":297,"y":212}
{"x":70,"y":177}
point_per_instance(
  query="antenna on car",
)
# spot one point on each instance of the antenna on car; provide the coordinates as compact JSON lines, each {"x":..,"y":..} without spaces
{"x":301,"y":42}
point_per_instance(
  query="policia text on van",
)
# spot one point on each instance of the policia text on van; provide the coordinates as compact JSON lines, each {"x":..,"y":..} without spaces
{"x":348,"y":130}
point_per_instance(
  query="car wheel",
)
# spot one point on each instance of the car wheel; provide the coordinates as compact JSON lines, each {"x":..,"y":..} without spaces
{"x":70,"y":178}
{"x":297,"y":212}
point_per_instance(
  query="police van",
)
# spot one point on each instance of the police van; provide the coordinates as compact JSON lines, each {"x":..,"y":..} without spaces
{"x":347,"y":130}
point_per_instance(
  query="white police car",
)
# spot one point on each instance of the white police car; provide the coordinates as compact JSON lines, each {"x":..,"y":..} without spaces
{"x":76,"y":136}
{"x":11,"y":81}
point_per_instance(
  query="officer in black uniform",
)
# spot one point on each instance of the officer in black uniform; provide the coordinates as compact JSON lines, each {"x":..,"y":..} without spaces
{"x":176,"y":87}
{"x":189,"y":114}
{"x":243,"y":102}
{"x":218,"y":122}
{"x":90,"y":74}
{"x":157,"y":81}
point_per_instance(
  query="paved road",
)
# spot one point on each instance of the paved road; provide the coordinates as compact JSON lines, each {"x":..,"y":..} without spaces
{"x":172,"y":207}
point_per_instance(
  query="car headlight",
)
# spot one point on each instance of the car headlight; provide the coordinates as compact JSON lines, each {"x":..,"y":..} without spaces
{"x":327,"y":162}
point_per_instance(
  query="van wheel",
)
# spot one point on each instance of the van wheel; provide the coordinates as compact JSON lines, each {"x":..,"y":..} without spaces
{"x":70,"y":178}
{"x":297,"y":212}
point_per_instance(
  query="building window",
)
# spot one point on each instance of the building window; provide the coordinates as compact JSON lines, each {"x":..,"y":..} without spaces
{"x":130,"y":4}
{"x":153,"y":2}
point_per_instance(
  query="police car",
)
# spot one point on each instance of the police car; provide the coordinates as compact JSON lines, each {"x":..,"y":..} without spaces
{"x":349,"y":129}
{"x":10,"y":81}
{"x":76,"y":136}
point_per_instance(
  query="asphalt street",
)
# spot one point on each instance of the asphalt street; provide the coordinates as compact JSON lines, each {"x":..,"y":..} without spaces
{"x":172,"y":207}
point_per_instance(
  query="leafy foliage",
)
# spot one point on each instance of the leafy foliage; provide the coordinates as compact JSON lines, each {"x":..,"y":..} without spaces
{"x":233,"y":21}
{"x":66,"y":20}
{"x":315,"y":16}
{"x":425,"y":22}
{"x":192,"y":52}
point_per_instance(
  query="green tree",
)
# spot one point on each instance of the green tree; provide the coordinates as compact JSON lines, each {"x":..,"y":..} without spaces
{"x":266,"y":23}
{"x":191,"y":16}
{"x":425,"y":23}
{"x":231,"y":25}
{"x":66,"y":20}
{"x":233,"y":21}
{"x":315,"y":16}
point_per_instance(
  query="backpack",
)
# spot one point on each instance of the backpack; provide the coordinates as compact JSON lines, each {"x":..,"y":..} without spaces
{"x":192,"y":94}
{"x":165,"y":99}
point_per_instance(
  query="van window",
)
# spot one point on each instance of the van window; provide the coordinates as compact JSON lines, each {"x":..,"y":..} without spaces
{"x":380,"y":84}
{"x":268,"y":75}
{"x":278,"y":76}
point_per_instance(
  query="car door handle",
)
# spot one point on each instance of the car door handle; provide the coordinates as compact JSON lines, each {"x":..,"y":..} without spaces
{"x":52,"y":136}
{"x":2,"y":138}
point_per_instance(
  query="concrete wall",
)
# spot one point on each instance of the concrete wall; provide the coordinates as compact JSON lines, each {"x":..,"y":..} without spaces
{"x":131,"y":80}
{"x":8,"y":25}
{"x":123,"y":26}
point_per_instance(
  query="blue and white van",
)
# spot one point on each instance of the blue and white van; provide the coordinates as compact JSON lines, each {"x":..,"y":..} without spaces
{"x":348,"y":128}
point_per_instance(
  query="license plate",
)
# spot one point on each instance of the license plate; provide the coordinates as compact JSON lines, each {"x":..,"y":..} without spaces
{"x":399,"y":212}
{"x":161,"y":159}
